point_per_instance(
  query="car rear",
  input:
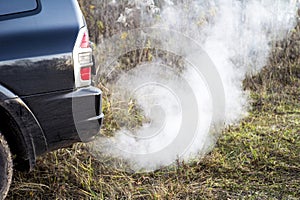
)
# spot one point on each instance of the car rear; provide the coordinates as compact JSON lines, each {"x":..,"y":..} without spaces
{"x":47,"y":60}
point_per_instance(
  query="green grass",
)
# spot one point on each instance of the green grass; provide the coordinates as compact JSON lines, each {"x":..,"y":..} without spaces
{"x":256,"y":159}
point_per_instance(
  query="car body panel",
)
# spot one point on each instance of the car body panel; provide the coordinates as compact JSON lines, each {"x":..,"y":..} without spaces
{"x":38,"y":75}
{"x":63,"y":115}
{"x":37,"y":81}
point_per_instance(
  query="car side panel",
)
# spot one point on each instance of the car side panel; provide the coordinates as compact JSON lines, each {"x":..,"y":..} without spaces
{"x":38,"y":48}
{"x":38,"y":75}
{"x":68,"y":116}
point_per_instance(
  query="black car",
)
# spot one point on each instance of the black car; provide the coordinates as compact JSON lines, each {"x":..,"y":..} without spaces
{"x":46,"y":98}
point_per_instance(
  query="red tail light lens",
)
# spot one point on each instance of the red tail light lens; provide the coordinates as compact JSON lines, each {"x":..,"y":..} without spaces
{"x":83,"y":59}
{"x":85,"y":42}
{"x":85,"y":73}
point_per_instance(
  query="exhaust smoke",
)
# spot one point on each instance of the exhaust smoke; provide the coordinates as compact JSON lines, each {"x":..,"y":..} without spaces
{"x":182,"y":103}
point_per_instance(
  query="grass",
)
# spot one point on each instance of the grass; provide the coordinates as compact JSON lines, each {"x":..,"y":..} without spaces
{"x":259,"y":158}
{"x":256,"y":159}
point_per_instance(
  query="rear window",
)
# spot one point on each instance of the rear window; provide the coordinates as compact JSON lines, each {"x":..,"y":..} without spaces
{"x":8,"y":7}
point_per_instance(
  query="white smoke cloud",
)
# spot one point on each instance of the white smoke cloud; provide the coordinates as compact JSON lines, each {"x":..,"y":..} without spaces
{"x":237,"y":35}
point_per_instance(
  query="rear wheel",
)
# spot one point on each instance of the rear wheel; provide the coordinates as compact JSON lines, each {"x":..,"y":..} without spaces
{"x":6,"y":167}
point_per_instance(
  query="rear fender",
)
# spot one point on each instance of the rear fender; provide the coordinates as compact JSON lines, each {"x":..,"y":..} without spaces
{"x":26,"y":122}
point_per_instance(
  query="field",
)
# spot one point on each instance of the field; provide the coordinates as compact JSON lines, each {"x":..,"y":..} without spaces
{"x":259,"y":158}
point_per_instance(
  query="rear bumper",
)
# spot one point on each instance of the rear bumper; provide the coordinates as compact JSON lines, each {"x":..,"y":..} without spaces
{"x":67,"y":117}
{"x":87,"y":112}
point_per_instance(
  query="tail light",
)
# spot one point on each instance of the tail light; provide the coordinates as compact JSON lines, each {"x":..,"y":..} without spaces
{"x":83,"y":59}
{"x":85,"y":42}
{"x":85,"y":73}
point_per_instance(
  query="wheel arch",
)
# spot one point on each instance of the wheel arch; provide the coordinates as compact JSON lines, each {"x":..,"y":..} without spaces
{"x":19,"y":126}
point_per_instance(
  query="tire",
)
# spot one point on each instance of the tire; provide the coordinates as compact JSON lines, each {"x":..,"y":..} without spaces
{"x":6,"y":167}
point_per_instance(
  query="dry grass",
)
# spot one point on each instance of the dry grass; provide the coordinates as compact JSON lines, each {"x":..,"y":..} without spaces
{"x":256,"y":159}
